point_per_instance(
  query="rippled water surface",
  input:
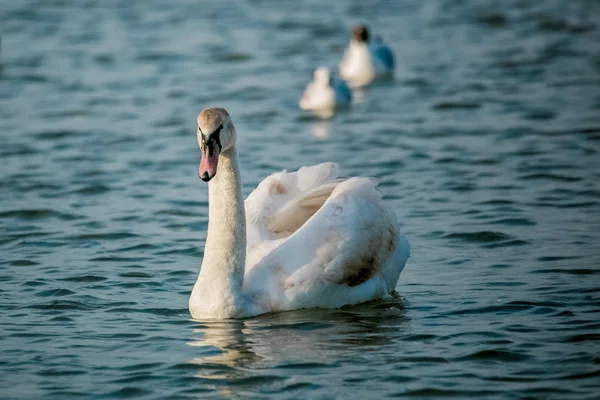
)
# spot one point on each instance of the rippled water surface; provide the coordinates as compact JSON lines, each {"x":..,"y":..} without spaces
{"x":486,"y":144}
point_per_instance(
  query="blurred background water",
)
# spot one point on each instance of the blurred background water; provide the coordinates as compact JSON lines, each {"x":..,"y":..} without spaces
{"x":486,"y":144}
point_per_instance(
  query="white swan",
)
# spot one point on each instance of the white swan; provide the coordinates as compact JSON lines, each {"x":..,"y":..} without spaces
{"x":366,"y":60}
{"x":304,"y":239}
{"x":325,"y":92}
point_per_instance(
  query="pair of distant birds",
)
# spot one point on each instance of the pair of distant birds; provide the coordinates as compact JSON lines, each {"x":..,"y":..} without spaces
{"x":364,"y":61}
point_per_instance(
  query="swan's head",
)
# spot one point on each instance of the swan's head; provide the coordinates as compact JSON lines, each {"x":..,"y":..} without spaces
{"x":322,"y":75}
{"x":216,"y":134}
{"x":360,"y":33}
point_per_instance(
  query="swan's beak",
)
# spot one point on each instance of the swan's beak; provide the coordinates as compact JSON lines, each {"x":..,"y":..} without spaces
{"x":208,"y":164}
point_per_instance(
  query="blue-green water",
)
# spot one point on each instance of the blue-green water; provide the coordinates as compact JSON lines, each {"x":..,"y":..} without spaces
{"x":486,"y":144}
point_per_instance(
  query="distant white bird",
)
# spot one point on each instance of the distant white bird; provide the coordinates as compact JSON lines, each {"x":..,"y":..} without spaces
{"x":366,"y":60}
{"x":303,"y":239}
{"x":325,"y":92}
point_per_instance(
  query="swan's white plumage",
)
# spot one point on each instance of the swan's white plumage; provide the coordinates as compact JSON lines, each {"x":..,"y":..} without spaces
{"x":352,"y":236}
{"x":312,"y":238}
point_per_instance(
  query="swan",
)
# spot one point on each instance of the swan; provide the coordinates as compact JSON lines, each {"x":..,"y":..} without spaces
{"x":366,"y":60}
{"x":303,"y":239}
{"x":325,"y":92}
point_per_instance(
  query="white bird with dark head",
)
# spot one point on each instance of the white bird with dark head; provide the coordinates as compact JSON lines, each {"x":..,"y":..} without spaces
{"x":366,"y":59}
{"x":303,"y":239}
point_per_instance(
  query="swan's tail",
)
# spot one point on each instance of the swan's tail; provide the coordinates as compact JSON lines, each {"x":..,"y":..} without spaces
{"x":397,"y":263}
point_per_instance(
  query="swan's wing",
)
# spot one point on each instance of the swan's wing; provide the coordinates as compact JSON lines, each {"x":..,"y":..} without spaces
{"x":286,"y":200}
{"x":351,"y":239}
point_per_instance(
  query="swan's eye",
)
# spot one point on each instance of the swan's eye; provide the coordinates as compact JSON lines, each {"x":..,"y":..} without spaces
{"x":214,"y":139}
{"x":208,"y":142}
{"x":218,"y":130}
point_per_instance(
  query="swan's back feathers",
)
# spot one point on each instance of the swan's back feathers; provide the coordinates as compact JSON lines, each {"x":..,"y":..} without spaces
{"x":284,"y":201}
{"x":349,"y":249}
{"x":293,"y":214}
{"x":362,"y":233}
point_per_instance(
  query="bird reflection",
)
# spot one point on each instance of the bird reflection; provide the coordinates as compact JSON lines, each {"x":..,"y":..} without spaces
{"x":229,"y":338}
{"x":322,"y":129}
{"x":359,"y":96}
{"x":324,"y":114}
{"x":314,"y":336}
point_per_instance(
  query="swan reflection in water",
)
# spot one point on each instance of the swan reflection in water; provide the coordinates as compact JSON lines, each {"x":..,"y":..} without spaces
{"x":237,"y":351}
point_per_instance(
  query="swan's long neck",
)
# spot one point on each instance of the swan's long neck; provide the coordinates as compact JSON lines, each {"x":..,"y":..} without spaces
{"x":222,"y":273}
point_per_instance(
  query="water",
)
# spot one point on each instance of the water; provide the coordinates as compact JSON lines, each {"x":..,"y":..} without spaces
{"x":486,"y":144}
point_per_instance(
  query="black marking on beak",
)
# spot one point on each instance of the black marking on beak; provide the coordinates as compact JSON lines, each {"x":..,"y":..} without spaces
{"x":209,"y":142}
